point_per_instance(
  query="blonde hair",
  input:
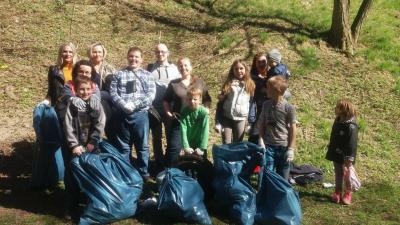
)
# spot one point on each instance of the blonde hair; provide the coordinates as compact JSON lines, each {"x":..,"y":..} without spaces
{"x":249,"y":85}
{"x":278,"y":83}
{"x":60,"y":60}
{"x":89,"y":52}
{"x":194,"y":91}
{"x":345,"y":109}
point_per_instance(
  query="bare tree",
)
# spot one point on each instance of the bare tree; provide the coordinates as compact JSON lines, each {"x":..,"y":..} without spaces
{"x":341,"y":34}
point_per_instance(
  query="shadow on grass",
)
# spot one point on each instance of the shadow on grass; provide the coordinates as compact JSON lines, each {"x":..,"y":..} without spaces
{"x":15,"y":173}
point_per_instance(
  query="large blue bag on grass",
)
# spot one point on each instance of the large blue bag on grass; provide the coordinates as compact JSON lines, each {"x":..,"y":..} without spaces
{"x":48,"y":164}
{"x":182,"y":198}
{"x":233,"y":165}
{"x":277,"y":202}
{"x":112,"y":185}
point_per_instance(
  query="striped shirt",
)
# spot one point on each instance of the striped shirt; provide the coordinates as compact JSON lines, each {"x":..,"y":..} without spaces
{"x":136,"y":86}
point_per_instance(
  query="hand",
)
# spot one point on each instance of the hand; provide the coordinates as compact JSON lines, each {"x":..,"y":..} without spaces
{"x":129,"y":107}
{"x":290,"y":154}
{"x":261,"y":143}
{"x":94,"y":103}
{"x":348,"y":163}
{"x":218,"y":128}
{"x":45,"y":102}
{"x":169,"y":114}
{"x":199,"y":152}
{"x":77,"y":151}
{"x":78,"y":103}
{"x":90,"y":147}
{"x":189,"y":150}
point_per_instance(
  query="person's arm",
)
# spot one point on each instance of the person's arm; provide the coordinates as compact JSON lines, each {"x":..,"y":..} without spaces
{"x":168,"y":96}
{"x":116,"y":99}
{"x":69,"y":128}
{"x":292,"y":136}
{"x":260,"y":126}
{"x":205,"y":132}
{"x":206,"y":98}
{"x":352,"y":145}
{"x":98,"y":120}
{"x":183,"y":125}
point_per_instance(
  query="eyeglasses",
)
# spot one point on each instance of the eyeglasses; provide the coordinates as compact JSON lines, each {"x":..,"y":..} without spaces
{"x":162,"y":52}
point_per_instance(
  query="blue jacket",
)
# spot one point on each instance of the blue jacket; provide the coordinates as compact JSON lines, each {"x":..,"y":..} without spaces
{"x":280,"y":69}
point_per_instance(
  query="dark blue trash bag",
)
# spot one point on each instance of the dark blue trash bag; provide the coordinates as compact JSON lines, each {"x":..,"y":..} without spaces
{"x":233,"y":165}
{"x":111,"y":183}
{"x":277,"y":202}
{"x":182,"y":198}
{"x":48,"y":164}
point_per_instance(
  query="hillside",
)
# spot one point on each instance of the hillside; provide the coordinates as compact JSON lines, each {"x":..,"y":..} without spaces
{"x":212,"y":35}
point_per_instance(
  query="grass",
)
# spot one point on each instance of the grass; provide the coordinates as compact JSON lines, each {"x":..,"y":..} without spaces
{"x":30,"y":32}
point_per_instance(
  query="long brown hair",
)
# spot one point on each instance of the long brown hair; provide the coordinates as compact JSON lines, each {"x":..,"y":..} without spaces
{"x":249,"y":85}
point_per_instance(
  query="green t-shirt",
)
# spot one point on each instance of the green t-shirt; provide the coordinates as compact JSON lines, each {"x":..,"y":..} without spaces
{"x":194,"y":128}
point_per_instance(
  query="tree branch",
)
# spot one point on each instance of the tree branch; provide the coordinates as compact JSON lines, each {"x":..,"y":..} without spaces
{"x":359,"y":19}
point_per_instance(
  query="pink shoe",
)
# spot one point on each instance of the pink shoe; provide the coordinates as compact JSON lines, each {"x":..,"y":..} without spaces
{"x":335,"y":197}
{"x":346,"y":198}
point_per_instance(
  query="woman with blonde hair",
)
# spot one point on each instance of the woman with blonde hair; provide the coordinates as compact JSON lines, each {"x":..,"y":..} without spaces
{"x":97,"y":56}
{"x":60,"y":73}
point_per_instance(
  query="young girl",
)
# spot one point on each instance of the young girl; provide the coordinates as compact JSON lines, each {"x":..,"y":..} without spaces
{"x":342,"y":147}
{"x":235,"y":95}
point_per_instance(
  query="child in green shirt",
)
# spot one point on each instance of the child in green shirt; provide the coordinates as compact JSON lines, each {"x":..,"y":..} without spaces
{"x":194,"y":124}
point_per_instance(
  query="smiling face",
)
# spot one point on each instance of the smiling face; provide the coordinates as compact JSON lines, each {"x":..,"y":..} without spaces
{"x":97,"y":54}
{"x":162,"y":53}
{"x":85,"y":70}
{"x":135,"y":59}
{"x":84,"y":91}
{"x":67,"y":54}
{"x":185,"y":68}
{"x":239,"y":71}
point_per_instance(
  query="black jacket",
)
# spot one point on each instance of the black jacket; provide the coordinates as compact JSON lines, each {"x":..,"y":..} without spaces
{"x":343,"y":142}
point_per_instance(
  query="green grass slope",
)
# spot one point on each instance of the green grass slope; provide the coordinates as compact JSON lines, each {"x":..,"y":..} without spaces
{"x":212,"y":34}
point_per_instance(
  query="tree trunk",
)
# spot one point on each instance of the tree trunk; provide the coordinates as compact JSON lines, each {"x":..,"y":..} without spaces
{"x":340,"y":33}
{"x":358,"y":21}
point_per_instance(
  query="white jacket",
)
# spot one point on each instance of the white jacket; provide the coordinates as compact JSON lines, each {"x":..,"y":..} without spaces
{"x":237,"y":102}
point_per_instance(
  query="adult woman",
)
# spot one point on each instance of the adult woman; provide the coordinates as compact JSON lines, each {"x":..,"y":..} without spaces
{"x":97,"y":54}
{"x":60,"y":73}
{"x":175,"y":100}
{"x":258,"y":73}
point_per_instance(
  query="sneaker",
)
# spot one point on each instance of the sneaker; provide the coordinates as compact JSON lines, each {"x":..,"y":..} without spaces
{"x":335,"y":197}
{"x":346,"y":198}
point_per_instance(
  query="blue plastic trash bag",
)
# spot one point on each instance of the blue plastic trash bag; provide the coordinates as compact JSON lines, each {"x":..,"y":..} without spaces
{"x":48,"y":164}
{"x":277,"y":202}
{"x":111,"y":183}
{"x":233,"y":165}
{"x":182,"y":198}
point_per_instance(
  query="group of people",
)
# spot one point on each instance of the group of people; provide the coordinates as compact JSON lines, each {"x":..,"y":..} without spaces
{"x":93,"y":100}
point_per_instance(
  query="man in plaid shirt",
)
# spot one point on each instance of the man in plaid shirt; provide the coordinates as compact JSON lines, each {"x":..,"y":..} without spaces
{"x":132,"y":91}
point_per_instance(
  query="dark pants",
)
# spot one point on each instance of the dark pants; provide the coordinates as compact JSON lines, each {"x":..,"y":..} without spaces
{"x":156,"y":132}
{"x":106,"y":102}
{"x":71,"y":186}
{"x":131,"y":130}
{"x":174,"y":144}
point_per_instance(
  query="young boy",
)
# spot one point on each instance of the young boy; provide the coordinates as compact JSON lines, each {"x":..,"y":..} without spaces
{"x":83,"y":129}
{"x":276,"y":67}
{"x":194,"y":124}
{"x":277,"y":127}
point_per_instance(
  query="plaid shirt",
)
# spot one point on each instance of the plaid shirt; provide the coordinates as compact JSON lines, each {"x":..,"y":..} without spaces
{"x":135,"y":86}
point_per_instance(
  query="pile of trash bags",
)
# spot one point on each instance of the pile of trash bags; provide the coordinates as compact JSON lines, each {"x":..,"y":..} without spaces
{"x":111,"y":183}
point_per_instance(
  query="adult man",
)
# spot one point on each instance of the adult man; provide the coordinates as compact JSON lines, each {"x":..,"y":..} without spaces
{"x":132,"y":91}
{"x":163,"y":72}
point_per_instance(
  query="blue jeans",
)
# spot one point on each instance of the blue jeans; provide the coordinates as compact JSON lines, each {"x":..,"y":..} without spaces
{"x":131,"y":130}
{"x":174,"y":144}
{"x":275,"y":159}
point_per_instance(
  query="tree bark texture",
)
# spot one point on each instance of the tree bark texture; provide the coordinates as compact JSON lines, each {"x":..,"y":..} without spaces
{"x":340,"y":33}
{"x":358,"y":21}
